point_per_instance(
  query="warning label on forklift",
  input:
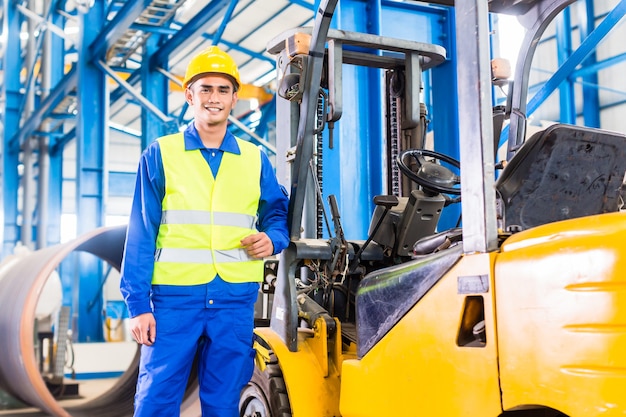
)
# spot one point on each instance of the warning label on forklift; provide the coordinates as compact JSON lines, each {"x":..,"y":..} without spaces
{"x":473,"y":284}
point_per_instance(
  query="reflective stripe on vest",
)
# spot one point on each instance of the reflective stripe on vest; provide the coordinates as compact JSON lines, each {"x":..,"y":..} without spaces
{"x":200,"y":256}
{"x":204,"y":218}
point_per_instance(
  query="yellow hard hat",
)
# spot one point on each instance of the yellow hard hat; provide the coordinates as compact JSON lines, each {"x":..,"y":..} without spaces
{"x":212,"y":60}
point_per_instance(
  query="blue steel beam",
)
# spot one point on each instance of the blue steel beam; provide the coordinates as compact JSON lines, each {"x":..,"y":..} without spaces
{"x":578,"y":56}
{"x":91,"y":139}
{"x":535,"y":22}
{"x":145,"y":103}
{"x":122,"y":21}
{"x":254,"y":54}
{"x":55,"y":199}
{"x":268,"y":115}
{"x":239,"y":48}
{"x":591,"y":98}
{"x":119,"y":92}
{"x":567,"y":103}
{"x":10,"y":89}
{"x":55,"y":160}
{"x":599,"y":65}
{"x":30,"y":74}
{"x":155,"y":87}
{"x":227,"y":16}
{"x":121,"y":184}
{"x":358,"y":146}
{"x":63,"y":88}
{"x":194,"y":28}
{"x":412,"y":8}
{"x":358,"y":149}
{"x":444,"y":95}
{"x":217,"y":37}
{"x":181,"y":115}
{"x":59,"y":142}
{"x":254,"y":138}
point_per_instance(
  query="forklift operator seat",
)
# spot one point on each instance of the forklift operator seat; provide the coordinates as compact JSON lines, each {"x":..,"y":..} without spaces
{"x":560,"y":173}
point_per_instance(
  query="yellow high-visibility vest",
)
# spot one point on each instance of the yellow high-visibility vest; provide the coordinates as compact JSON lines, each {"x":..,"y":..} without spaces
{"x":204,"y":218}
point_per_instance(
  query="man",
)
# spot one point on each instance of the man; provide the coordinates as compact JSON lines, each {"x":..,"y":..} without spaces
{"x":207,"y":209}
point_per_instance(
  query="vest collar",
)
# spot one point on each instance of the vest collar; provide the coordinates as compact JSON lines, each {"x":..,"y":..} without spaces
{"x":193,"y":142}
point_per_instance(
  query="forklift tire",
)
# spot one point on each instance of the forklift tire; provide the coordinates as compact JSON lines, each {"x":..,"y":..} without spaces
{"x":266,"y":393}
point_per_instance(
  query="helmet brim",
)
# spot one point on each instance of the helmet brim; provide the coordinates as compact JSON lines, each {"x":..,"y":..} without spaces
{"x":220,"y":74}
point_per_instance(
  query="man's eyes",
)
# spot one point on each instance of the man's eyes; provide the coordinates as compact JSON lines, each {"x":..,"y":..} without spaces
{"x":219,"y":90}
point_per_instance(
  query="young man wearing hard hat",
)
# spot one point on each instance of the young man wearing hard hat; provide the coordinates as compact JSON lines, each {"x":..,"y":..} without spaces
{"x":207,"y":209}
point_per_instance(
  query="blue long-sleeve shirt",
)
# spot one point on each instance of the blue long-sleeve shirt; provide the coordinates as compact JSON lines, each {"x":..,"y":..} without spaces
{"x":145,"y":218}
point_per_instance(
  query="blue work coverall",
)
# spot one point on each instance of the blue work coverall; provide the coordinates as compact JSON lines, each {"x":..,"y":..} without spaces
{"x":214,"y":319}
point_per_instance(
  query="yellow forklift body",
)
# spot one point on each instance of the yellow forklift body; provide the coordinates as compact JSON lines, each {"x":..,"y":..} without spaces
{"x":561,"y":316}
{"x":311,"y":374}
{"x":422,"y":367}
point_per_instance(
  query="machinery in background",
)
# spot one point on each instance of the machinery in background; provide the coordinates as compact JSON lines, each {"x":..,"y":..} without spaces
{"x":519,"y":312}
{"x":51,"y":326}
{"x":27,"y":297}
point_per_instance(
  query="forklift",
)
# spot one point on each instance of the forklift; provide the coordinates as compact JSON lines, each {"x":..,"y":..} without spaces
{"x":518,"y":310}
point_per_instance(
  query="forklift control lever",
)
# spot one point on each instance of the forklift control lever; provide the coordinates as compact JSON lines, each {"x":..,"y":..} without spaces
{"x":386,"y":201}
{"x":338,"y":244}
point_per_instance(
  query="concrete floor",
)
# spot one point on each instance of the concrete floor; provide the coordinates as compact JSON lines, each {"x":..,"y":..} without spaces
{"x":87,"y":390}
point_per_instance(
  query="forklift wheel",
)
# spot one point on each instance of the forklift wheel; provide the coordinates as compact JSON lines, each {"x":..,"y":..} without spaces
{"x":266,"y":393}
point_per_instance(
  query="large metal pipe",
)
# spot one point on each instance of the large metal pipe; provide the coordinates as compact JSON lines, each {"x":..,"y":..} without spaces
{"x":21,"y":284}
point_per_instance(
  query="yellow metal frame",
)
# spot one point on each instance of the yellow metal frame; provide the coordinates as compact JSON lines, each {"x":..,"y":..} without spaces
{"x":557,"y":338}
{"x":312,"y":373}
{"x":419,"y":369}
{"x":562,"y":318}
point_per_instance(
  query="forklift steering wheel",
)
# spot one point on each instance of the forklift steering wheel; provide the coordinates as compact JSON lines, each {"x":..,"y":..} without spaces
{"x":429,"y":174}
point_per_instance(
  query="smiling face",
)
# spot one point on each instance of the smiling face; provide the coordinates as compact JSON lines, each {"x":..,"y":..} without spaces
{"x":212,"y":97}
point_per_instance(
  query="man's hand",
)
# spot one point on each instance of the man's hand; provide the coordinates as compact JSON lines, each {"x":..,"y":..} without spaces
{"x":143,"y":329}
{"x":258,"y":245}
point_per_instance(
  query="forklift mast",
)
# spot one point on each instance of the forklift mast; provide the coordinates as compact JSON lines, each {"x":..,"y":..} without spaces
{"x":309,"y":63}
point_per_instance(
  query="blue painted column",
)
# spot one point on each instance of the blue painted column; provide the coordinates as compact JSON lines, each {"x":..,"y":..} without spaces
{"x":591,"y":99}
{"x":435,"y":25}
{"x":268,"y":118}
{"x":564,"y":49}
{"x":356,"y":158}
{"x":91,"y":137}
{"x":155,"y":88}
{"x":354,"y":169}
{"x":444,"y":110}
{"x":11,"y":118}
{"x":52,"y":224}
{"x":55,"y":186}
